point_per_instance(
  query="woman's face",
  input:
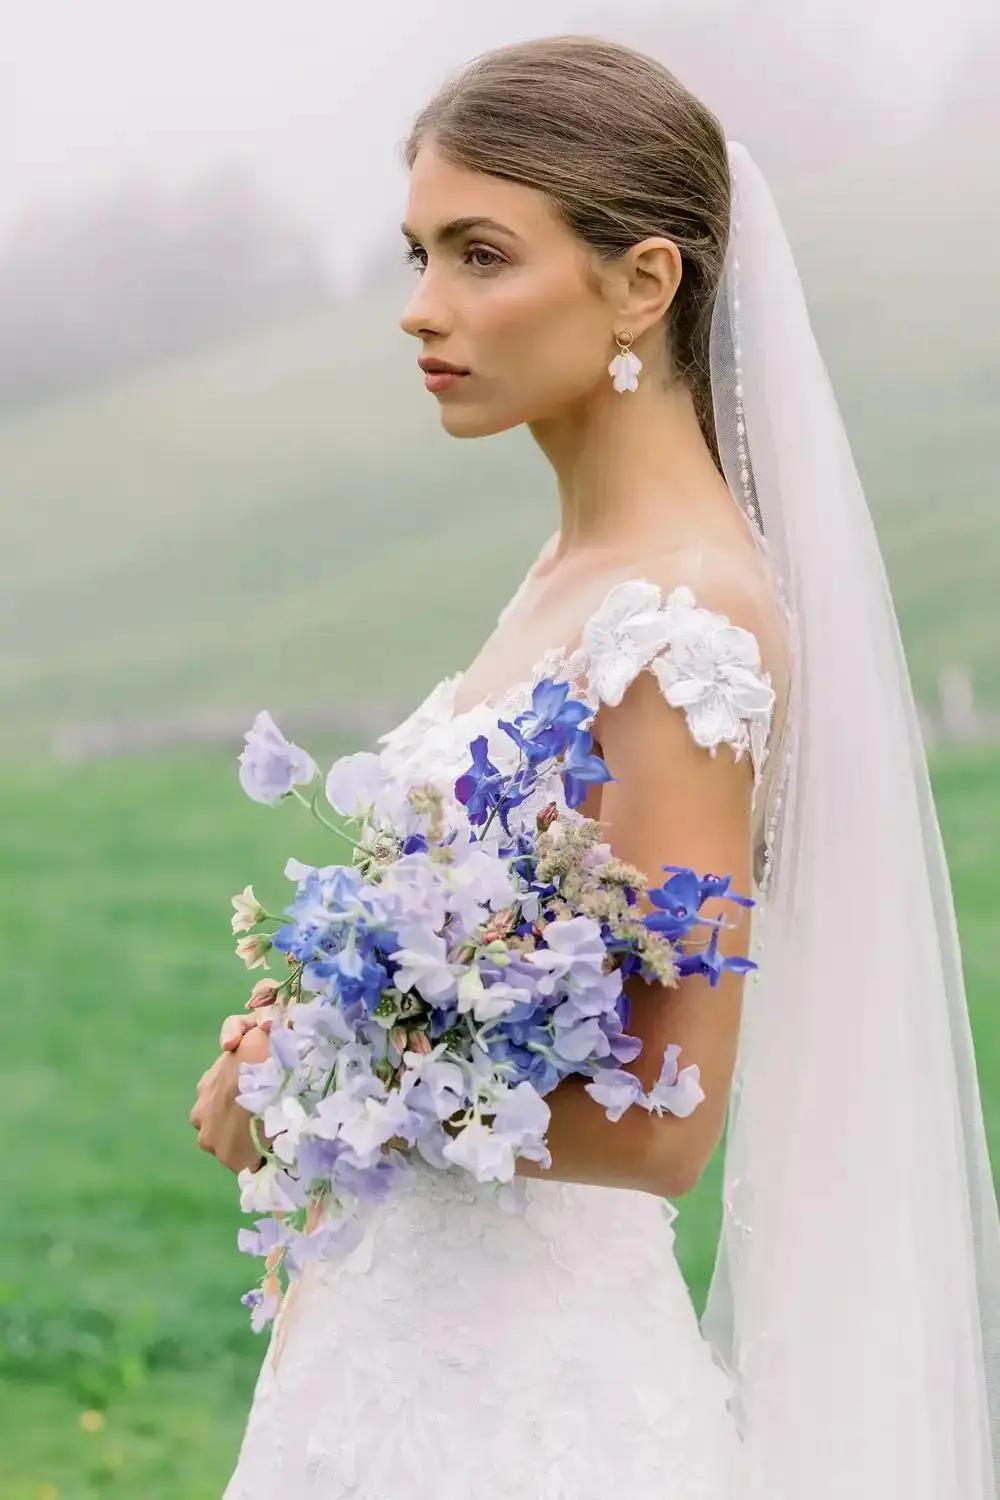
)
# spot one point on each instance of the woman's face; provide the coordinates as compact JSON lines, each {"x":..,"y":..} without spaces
{"x":509,"y":301}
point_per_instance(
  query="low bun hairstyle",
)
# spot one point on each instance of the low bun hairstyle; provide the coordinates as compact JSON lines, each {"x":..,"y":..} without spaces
{"x":622,"y":148}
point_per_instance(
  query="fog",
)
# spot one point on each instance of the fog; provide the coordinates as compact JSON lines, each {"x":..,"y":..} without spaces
{"x":201,"y":279}
{"x":312,"y":98}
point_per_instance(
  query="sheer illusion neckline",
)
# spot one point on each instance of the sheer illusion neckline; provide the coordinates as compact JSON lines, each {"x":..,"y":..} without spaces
{"x":553,"y":659}
{"x":495,"y":700}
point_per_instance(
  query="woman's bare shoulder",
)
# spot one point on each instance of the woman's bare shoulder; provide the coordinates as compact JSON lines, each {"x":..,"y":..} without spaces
{"x":737,"y":582}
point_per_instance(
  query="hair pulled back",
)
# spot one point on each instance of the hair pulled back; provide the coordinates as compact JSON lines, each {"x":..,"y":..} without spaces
{"x":622,"y":148}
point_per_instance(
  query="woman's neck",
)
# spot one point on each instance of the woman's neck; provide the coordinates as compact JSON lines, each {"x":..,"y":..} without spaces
{"x":633,"y":468}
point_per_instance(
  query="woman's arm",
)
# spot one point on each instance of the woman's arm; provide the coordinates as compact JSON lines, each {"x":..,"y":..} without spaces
{"x":672,"y":802}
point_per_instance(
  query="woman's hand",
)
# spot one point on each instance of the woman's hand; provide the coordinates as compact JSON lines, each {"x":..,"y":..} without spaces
{"x":237,"y":1035}
{"x":223,"y":1126}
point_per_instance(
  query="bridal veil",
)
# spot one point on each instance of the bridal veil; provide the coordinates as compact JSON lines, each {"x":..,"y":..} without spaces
{"x":855,"y":1300}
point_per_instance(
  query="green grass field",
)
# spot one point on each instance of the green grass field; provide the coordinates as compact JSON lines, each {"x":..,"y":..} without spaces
{"x":128,"y":1362}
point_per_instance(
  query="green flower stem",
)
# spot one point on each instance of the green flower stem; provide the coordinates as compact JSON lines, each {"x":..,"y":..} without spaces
{"x":311,"y":805}
{"x":265,"y":1151}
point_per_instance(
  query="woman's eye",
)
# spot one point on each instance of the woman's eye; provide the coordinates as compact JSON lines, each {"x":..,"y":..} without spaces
{"x":481,"y":250}
{"x":412,"y":257}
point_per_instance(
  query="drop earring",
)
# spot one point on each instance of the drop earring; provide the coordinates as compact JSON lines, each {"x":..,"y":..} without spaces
{"x":625,"y":366}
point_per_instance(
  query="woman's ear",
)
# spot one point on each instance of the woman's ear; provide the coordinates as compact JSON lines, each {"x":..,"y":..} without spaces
{"x":655,"y":269}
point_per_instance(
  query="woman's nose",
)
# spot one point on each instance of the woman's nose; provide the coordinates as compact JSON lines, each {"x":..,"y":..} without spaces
{"x":420,"y":316}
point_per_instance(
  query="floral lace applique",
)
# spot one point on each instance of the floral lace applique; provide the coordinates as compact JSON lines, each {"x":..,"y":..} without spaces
{"x":703,"y":663}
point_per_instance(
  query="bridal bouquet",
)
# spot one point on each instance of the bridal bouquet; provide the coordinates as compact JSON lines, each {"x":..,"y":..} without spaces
{"x":471,"y":956}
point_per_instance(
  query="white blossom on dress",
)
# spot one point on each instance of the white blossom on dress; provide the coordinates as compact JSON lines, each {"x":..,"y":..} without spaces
{"x":626,"y":630}
{"x":712,"y":670}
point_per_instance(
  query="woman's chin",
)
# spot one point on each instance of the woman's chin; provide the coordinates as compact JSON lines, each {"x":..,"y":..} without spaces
{"x":466,"y":422}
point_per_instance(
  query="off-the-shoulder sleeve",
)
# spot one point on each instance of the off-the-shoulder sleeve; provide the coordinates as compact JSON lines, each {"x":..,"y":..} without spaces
{"x":704,"y":664}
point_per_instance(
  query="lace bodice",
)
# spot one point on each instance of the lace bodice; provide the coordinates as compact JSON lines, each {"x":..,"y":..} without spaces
{"x":706,"y":667}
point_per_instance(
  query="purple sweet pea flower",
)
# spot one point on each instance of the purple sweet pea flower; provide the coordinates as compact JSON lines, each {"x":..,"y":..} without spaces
{"x":263,"y":1308}
{"x":259,"y":1084}
{"x":318,"y":1157}
{"x":333,"y":1240}
{"x":370,"y":1184}
{"x":521,"y":1114}
{"x":616,"y":1089}
{"x":573,"y":954}
{"x":580,"y":1040}
{"x":270,"y":765}
{"x":679,"y":1093}
{"x":286,"y":1047}
{"x":265,"y":1236}
{"x":624,"y":1048}
{"x":485,"y":1153}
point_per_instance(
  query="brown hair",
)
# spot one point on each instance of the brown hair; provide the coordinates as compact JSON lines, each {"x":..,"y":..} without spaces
{"x":622,"y":148}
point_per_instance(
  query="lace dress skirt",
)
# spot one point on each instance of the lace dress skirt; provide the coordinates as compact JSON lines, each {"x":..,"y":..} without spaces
{"x":475,"y":1348}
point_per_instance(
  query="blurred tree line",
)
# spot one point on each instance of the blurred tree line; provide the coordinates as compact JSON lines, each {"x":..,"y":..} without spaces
{"x":94,"y":290}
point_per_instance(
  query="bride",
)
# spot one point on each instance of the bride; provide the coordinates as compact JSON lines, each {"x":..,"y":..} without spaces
{"x":596,"y":260}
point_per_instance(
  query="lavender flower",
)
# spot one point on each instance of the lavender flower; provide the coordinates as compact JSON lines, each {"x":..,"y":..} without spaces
{"x":270,"y":765}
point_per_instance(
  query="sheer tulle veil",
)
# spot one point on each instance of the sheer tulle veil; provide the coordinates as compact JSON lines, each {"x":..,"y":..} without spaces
{"x":855,"y":1300}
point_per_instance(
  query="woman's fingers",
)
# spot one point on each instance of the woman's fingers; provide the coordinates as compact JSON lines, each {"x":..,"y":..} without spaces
{"x":254,"y":1047}
{"x":233,"y":1030}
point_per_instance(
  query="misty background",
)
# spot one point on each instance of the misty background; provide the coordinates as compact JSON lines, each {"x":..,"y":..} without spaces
{"x":223,"y":484}
{"x":223,"y":487}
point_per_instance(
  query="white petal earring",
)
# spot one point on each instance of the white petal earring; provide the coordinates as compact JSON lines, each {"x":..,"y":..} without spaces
{"x":625,"y":366}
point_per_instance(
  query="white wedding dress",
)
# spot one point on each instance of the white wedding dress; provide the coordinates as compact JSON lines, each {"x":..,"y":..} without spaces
{"x":470,"y":1351}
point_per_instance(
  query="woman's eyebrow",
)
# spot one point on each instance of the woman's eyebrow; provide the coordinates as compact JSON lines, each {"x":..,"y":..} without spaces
{"x":455,"y":227}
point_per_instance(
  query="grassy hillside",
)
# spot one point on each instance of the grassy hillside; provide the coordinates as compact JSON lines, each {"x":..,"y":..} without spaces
{"x":126,"y":1361}
{"x":284,"y":521}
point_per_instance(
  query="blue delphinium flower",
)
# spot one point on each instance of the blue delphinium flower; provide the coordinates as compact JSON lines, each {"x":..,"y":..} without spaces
{"x":710,"y":962}
{"x":478,"y":788}
{"x":351,"y":972}
{"x":518,"y":788}
{"x":677,"y":902}
{"x":713,"y":885}
{"x":544,"y":730}
{"x":581,"y":769}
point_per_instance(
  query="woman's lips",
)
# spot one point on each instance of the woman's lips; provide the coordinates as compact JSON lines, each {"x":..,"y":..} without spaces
{"x":441,"y":380}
